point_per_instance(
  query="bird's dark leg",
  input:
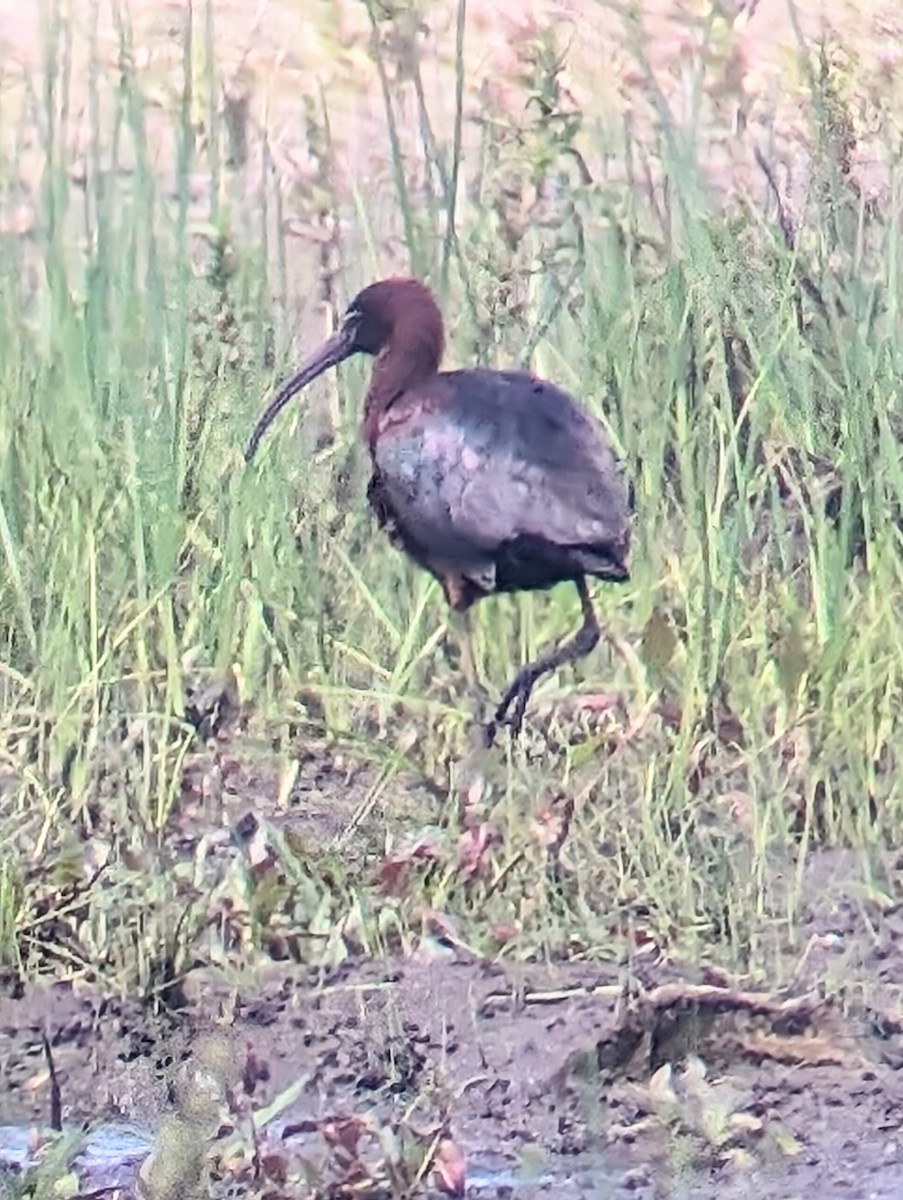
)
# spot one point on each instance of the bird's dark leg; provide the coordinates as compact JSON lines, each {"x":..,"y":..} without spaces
{"x":584,"y":640}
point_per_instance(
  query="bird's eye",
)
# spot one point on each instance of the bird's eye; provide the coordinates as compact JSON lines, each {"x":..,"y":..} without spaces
{"x":351,"y":323}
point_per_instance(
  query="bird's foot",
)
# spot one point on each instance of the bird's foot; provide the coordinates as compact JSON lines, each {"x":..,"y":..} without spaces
{"x":515,"y":700}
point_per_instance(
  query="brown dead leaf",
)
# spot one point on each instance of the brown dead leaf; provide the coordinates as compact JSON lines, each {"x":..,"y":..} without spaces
{"x":599,"y":702}
{"x":274,"y":1165}
{"x":551,"y":825}
{"x":260,"y":854}
{"x":474,"y":847}
{"x":739,"y":806}
{"x":817,"y":1050}
{"x":631,"y":1132}
{"x":235,"y":1162}
{"x":255,"y":1071}
{"x":698,"y":764}
{"x":474,"y":791}
{"x":662,"y":1095}
{"x":503,"y":934}
{"x":394,"y":870}
{"x":745,"y":1125}
{"x":450,"y":1168}
{"x":439,"y":925}
{"x":669,"y":713}
{"x":35,"y":1082}
{"x":393,"y":876}
{"x":345,"y":1133}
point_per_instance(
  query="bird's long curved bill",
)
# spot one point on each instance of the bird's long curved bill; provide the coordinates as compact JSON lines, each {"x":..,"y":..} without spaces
{"x":333,"y":351}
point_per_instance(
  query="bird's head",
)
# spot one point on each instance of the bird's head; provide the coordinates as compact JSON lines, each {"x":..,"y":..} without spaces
{"x":392,"y":314}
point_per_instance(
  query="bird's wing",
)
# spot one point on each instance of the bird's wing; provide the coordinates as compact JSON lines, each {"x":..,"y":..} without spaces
{"x":498,"y":456}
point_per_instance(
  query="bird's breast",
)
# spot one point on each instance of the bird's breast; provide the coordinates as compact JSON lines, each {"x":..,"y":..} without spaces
{"x":424,"y":454}
{"x":400,"y":460}
{"x":425,"y":468}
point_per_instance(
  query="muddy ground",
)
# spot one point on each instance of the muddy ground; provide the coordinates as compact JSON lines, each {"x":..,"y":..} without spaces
{"x":646,"y":1079}
{"x":522,"y":1072}
{"x":553,"y":1078}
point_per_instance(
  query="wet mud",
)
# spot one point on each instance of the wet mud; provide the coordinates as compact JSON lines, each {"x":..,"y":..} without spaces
{"x":555,"y":1078}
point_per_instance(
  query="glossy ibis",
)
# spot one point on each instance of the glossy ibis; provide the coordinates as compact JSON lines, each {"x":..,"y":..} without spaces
{"x":493,"y":481}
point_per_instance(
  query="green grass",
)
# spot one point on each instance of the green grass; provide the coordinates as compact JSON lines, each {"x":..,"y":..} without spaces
{"x":140,"y":561}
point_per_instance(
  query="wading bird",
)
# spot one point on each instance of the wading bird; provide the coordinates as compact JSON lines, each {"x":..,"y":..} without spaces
{"x":493,"y":481}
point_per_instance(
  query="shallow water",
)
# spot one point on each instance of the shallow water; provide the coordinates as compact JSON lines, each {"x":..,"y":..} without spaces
{"x":108,"y":1157}
{"x":111,"y":1153}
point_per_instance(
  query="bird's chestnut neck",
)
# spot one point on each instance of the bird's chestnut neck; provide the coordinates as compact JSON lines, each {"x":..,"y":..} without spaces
{"x":409,"y":359}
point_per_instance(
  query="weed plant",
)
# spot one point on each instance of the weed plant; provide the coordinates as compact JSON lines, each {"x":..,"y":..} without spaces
{"x":742,"y":715}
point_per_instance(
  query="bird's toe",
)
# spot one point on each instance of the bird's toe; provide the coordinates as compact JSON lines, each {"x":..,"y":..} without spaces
{"x":510,"y":712}
{"x":488,"y":730}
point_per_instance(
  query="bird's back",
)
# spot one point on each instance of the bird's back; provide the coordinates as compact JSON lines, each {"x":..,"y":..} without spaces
{"x":503,"y":467}
{"x":514,"y":412}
